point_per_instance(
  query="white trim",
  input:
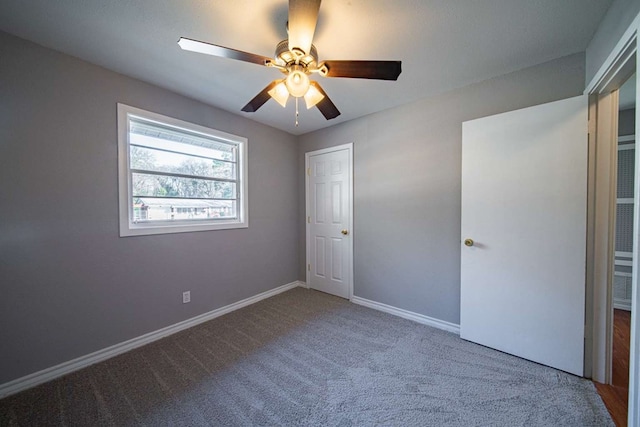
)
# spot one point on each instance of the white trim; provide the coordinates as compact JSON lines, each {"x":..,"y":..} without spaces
{"x":624,"y":201}
{"x":129,"y":228}
{"x":626,"y":138}
{"x":349,"y":148}
{"x":614,"y":58}
{"x":626,"y":147}
{"x":624,"y":263}
{"x":622,"y":254}
{"x":406,"y":314}
{"x":633,"y":418}
{"x":612,"y":71}
{"x":48,"y":374}
{"x":622,"y":304}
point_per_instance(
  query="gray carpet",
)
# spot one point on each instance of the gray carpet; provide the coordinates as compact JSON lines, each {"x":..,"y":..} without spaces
{"x":308,"y":359}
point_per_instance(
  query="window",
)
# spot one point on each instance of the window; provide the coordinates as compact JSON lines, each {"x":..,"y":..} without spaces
{"x":177,"y":177}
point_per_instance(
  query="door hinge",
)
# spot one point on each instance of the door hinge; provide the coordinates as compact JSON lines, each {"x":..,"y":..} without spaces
{"x":309,"y":171}
{"x":309,"y":267}
{"x":309,"y":219}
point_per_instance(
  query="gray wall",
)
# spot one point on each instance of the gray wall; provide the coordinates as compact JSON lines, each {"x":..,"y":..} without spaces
{"x":627,"y":122}
{"x":70,"y":285}
{"x":407,"y":181}
{"x":620,"y":15}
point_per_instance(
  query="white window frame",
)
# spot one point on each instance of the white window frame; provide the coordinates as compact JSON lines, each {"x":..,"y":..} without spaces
{"x":130,"y":228}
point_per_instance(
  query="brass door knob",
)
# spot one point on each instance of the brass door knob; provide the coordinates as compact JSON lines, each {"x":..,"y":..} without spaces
{"x":468,"y":242}
{"x":345,"y":232}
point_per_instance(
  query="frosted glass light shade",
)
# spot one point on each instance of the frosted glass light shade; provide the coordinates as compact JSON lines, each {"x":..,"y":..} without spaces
{"x":313,"y":96}
{"x":297,"y":83}
{"x":280,"y":93}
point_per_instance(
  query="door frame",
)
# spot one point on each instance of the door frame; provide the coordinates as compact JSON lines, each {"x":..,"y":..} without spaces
{"x":603,"y":105}
{"x":349,"y":148}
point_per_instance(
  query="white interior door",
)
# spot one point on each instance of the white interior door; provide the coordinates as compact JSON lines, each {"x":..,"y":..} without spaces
{"x":524,"y":201}
{"x":329,"y":240}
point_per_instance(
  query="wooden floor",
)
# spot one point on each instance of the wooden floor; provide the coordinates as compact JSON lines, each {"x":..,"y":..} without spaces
{"x":616,"y":396}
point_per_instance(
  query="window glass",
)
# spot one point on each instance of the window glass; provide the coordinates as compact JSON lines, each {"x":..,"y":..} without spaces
{"x":179,"y":176}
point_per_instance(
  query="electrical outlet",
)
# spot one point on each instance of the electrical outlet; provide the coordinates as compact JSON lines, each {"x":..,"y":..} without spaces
{"x":186,"y":297}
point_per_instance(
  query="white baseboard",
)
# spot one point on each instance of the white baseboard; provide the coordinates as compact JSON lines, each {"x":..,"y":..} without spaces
{"x":303,"y":284}
{"x":410,"y":315}
{"x":622,"y":304}
{"x":48,"y":374}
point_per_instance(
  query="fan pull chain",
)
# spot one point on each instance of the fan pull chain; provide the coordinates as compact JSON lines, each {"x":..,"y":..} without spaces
{"x":297,"y":112}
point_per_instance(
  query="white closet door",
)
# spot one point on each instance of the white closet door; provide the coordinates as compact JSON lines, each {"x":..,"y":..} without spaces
{"x":524,"y":200}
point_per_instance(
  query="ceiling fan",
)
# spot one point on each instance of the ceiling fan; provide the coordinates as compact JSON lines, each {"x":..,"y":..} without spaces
{"x":297,"y":58}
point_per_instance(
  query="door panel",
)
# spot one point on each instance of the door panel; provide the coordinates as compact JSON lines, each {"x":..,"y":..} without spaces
{"x":336,"y":193}
{"x":336,"y":262}
{"x":329,"y":198}
{"x":319,"y":261}
{"x":524,"y":199}
{"x":319,"y":203}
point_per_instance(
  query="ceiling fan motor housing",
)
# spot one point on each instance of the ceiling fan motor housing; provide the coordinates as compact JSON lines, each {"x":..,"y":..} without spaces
{"x":286,"y":58}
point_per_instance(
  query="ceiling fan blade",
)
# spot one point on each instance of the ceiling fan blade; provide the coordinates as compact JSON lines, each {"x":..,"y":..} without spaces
{"x":303,"y":16}
{"x":259,"y":100}
{"x":380,"y":70}
{"x":326,"y":107}
{"x":224,"y":52}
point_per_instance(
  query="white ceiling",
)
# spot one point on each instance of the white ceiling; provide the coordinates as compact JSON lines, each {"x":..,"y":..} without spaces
{"x":443,"y":44}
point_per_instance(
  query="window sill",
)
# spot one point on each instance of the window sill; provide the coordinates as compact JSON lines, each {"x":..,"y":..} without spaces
{"x":130,"y":230}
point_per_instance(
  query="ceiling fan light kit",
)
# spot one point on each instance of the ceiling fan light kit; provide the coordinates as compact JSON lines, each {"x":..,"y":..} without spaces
{"x":312,"y":97}
{"x":297,"y":58}
{"x":297,"y":81}
{"x":280,"y":93}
